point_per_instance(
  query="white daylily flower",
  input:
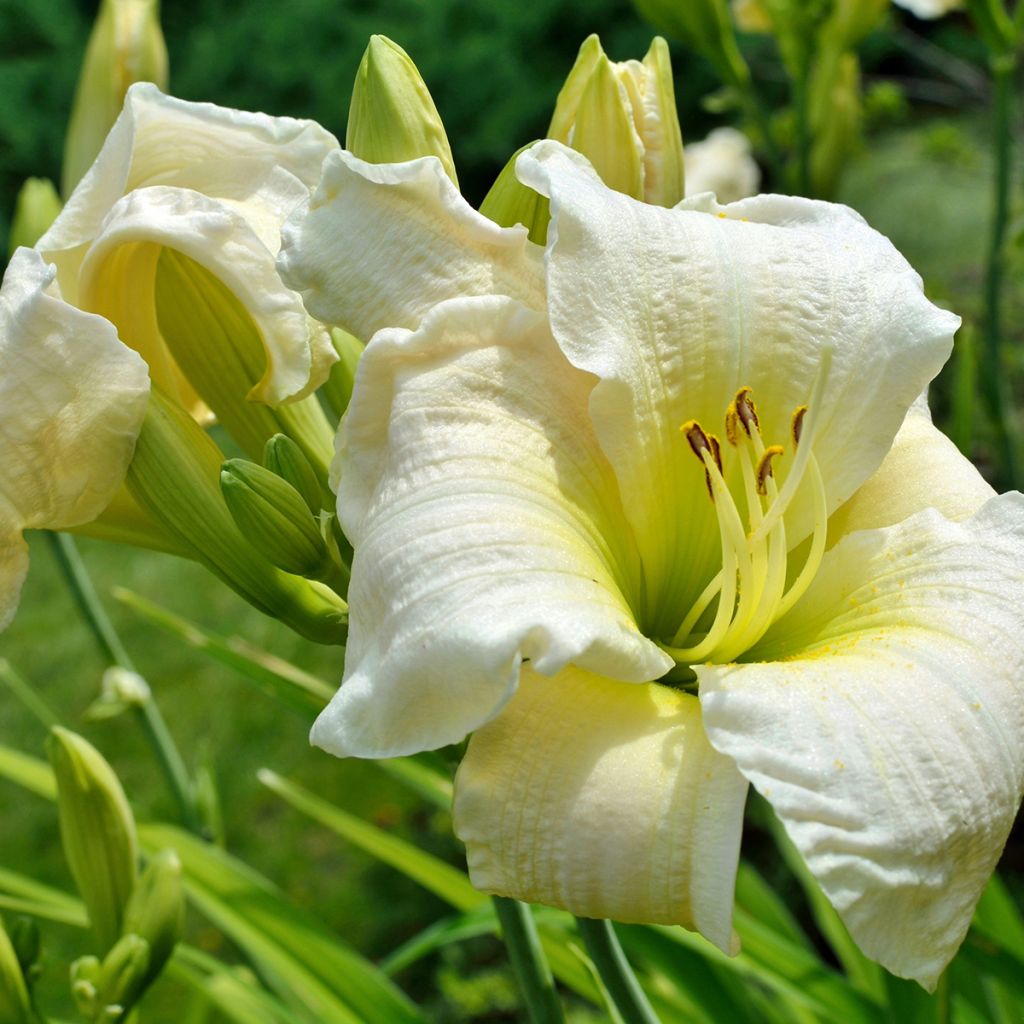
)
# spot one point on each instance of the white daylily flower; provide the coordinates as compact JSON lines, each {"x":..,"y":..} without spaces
{"x":73,"y":398}
{"x":722,"y":163}
{"x":216,"y":185}
{"x":930,"y":8}
{"x":838,"y":616}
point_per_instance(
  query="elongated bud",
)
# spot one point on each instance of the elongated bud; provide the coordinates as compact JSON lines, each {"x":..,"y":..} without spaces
{"x":175,"y":476}
{"x":510,"y":202}
{"x":14,"y":1001}
{"x":85,"y":975}
{"x":392,"y":117}
{"x":273,"y":517}
{"x":704,"y":25}
{"x":97,"y":830}
{"x":338,"y":387}
{"x":218,"y":347}
{"x":156,"y":910}
{"x":123,"y":977}
{"x":284,"y":457}
{"x":622,"y":117}
{"x":35,"y":209}
{"x":126,"y":46}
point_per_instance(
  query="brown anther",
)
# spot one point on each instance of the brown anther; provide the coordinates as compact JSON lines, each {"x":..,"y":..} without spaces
{"x":716,"y":451}
{"x":797,"y":424}
{"x":764,"y":467}
{"x":699,"y":444}
{"x":747,"y":411}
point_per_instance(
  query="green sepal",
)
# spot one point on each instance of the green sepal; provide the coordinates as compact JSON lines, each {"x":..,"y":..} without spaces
{"x":35,"y":209}
{"x":510,"y":202}
{"x":97,"y":830}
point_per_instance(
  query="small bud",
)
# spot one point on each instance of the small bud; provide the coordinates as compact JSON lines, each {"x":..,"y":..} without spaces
{"x":392,"y":117}
{"x":273,"y":517}
{"x":175,"y":476}
{"x":121,"y":689}
{"x":283,"y":457}
{"x":85,"y":974}
{"x":97,"y":831}
{"x":126,"y":46}
{"x":35,"y":209}
{"x":156,"y":910}
{"x":123,"y":977}
{"x":14,"y":1002}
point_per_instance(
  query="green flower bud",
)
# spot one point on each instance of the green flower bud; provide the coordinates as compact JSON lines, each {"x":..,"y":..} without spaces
{"x":35,"y":209}
{"x":273,"y":517}
{"x":284,"y":457}
{"x":338,"y":388}
{"x":14,"y":1001}
{"x":622,"y":117}
{"x":121,"y":690}
{"x":85,"y":975}
{"x":219,"y":349}
{"x":156,"y":910}
{"x":392,"y":117}
{"x":126,"y":46}
{"x":123,"y":977}
{"x":97,"y":830}
{"x":510,"y":202}
{"x":175,"y":477}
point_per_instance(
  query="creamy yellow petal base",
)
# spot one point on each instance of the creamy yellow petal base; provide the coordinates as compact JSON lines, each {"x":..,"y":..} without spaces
{"x":605,"y":799}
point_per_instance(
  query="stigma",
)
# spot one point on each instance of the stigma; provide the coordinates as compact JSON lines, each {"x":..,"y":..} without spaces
{"x":750,"y":591}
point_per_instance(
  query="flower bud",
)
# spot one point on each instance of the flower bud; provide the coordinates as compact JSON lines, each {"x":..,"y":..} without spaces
{"x":35,"y":209}
{"x":123,"y":977}
{"x":85,"y":973}
{"x":121,"y":689}
{"x":175,"y":477}
{"x":622,"y":117}
{"x":156,"y":910}
{"x":14,"y":1001}
{"x":392,"y":117}
{"x":126,"y":46}
{"x":510,"y":202}
{"x":97,"y":830}
{"x":284,"y":457}
{"x":338,"y":388}
{"x":273,"y":517}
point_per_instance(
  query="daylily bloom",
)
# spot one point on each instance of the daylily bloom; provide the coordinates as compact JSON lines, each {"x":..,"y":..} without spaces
{"x":649,"y":512}
{"x":930,"y":8}
{"x":722,"y":164}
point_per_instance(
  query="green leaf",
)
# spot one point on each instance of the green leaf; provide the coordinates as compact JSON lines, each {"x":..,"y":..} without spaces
{"x":760,"y":900}
{"x":446,"y":882}
{"x":29,"y":772}
{"x":420,"y":775}
{"x":457,"y":928}
{"x":309,"y":967}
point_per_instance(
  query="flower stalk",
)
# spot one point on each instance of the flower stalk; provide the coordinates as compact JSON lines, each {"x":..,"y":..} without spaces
{"x":619,"y":980}
{"x":528,"y":962}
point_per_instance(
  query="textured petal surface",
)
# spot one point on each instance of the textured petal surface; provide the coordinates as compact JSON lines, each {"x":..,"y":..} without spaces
{"x":72,"y":398}
{"x":117,"y":279}
{"x":487,"y":529}
{"x":886,"y":726}
{"x":604,"y":799}
{"x":674,"y":310}
{"x":380,"y":244}
{"x":923,"y":469}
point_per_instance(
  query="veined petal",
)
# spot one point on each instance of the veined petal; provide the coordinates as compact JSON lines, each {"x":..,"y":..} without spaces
{"x":886,"y":726}
{"x":923,"y":469}
{"x":118,"y":272}
{"x":674,"y":310}
{"x":72,"y":400}
{"x":381,"y":244}
{"x":487,"y":528}
{"x":606,"y":800}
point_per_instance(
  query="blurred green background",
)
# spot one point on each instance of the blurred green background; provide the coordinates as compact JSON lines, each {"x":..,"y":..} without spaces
{"x":494,"y":69}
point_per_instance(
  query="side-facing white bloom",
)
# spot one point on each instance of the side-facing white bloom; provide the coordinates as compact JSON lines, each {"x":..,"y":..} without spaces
{"x":930,"y":8}
{"x":722,"y":163}
{"x":545,"y":521}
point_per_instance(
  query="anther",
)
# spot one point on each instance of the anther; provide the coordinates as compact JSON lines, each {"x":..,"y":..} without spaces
{"x":732,"y":420}
{"x":716,"y":451}
{"x":699,"y":444}
{"x":796,"y":426}
{"x":764,"y":467}
{"x":747,"y":411}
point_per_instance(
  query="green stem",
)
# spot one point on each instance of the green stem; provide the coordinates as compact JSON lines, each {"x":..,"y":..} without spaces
{"x":623,"y":989}
{"x":23,"y":690}
{"x":993,"y":377}
{"x":147,"y":712}
{"x":528,"y":963}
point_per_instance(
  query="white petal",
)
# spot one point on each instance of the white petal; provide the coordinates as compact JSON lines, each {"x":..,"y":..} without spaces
{"x":72,"y":398}
{"x":674,"y":310}
{"x":923,"y":469}
{"x":487,"y":530}
{"x":117,"y":275}
{"x":887,"y":725}
{"x":929,"y":8}
{"x":722,"y":163}
{"x":380,"y":244}
{"x":606,"y":800}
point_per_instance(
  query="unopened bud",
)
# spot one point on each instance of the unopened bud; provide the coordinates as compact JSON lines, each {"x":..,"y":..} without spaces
{"x":338,"y":387}
{"x":126,"y":46}
{"x":35,"y":209}
{"x":123,"y":977}
{"x":121,"y":690}
{"x":283,"y":457}
{"x":273,"y":517}
{"x":85,"y":974}
{"x":392,"y":117}
{"x":14,"y":1001}
{"x":156,"y":910}
{"x":510,"y":202}
{"x":97,"y":830}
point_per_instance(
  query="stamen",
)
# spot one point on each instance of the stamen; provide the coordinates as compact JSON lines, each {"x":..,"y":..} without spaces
{"x":747,"y":411}
{"x":796,"y":425}
{"x":700,"y":442}
{"x":818,"y":538}
{"x":764,"y":467}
